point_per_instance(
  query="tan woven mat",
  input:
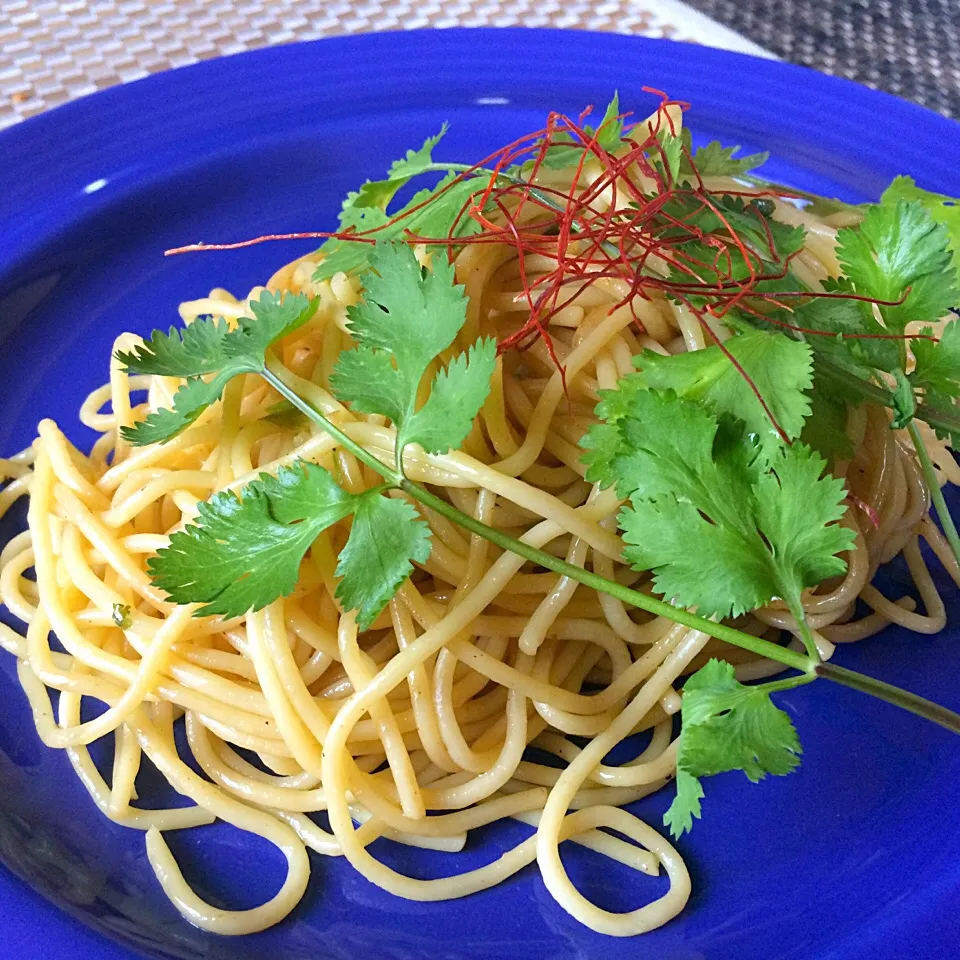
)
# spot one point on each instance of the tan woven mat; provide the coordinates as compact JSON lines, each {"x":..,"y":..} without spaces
{"x":54,"y":52}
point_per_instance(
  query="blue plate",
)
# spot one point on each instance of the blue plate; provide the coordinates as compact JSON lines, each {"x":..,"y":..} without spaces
{"x":854,"y":857}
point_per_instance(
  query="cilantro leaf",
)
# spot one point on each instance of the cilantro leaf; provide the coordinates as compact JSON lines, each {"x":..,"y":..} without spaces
{"x":727,"y":726}
{"x":436,"y":212}
{"x":826,"y":428}
{"x":686,"y":804}
{"x":796,"y":512}
{"x":697,"y":562}
{"x":668,"y":156}
{"x":602,"y":445}
{"x":707,"y":252}
{"x":945,"y":408}
{"x":715,"y":160}
{"x":897,"y":248}
{"x":120,"y":614}
{"x":904,"y":401}
{"x":367,"y":380}
{"x":417,"y":161}
{"x":565,"y":151}
{"x":844,"y":317}
{"x":245,"y":551}
{"x":188,"y":403}
{"x":407,"y":318}
{"x":762,"y":736}
{"x":456,"y":396}
{"x":305,"y":493}
{"x":720,"y":530}
{"x":276,"y":315}
{"x":412,"y":313}
{"x":610,"y":130}
{"x":349,"y":256}
{"x":781,"y":369}
{"x":206,"y":346}
{"x":386,"y":536}
{"x":183,"y":352}
{"x":379,"y":193}
{"x":943,"y":209}
{"x":443,"y":206}
{"x":371,"y":200}
{"x":937,"y":370}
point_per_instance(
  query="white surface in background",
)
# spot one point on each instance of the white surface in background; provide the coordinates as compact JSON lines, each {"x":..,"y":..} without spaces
{"x":52,"y":52}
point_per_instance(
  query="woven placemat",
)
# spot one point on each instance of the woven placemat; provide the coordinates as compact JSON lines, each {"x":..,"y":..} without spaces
{"x":907,"y":47}
{"x":52,"y":52}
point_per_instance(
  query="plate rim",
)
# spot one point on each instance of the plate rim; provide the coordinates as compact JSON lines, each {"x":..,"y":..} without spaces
{"x":64,"y":111}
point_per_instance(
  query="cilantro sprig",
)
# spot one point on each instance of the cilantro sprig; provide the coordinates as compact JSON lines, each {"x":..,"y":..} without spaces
{"x":716,"y":160}
{"x":899,"y":269}
{"x":245,"y":547}
{"x":722,"y":528}
{"x":900,"y":253}
{"x":406,"y":320}
{"x":432,"y":212}
{"x":244,"y":550}
{"x":209,"y":346}
{"x":728,"y":726}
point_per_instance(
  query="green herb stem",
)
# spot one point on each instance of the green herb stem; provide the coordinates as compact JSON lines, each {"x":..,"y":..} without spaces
{"x":869,"y":391}
{"x":936,"y":493}
{"x":762,"y":648}
{"x":309,"y":410}
{"x":891,"y":694}
{"x":810,"y":645}
{"x":808,"y":666}
{"x":788,"y":683}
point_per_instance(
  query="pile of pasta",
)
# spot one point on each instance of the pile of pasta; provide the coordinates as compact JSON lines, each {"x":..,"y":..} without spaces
{"x":517,"y":657}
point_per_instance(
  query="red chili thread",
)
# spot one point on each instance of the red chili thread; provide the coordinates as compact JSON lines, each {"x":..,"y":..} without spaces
{"x":617,"y":242}
{"x":872,"y":515}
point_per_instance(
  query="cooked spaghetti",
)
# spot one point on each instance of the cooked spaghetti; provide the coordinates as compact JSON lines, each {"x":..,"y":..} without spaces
{"x":479,"y":655}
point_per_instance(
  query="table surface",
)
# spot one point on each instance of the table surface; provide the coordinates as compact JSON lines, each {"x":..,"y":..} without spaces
{"x":907,"y":47}
{"x":52,"y":52}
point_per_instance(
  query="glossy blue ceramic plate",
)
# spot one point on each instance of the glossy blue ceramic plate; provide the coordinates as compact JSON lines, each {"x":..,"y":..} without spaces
{"x":856,"y":856}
